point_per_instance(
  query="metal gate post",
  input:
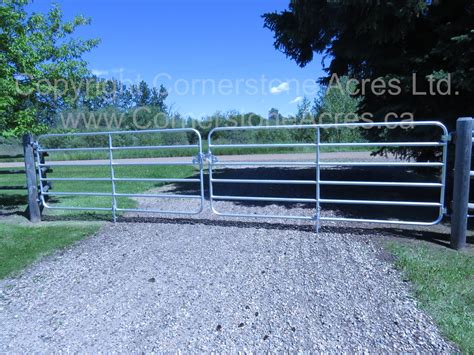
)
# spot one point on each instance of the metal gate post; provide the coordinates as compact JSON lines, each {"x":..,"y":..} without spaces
{"x":34,"y":212}
{"x":462,"y":168}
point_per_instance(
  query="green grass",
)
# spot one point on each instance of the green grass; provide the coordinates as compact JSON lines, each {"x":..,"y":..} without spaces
{"x":15,"y":199}
{"x":106,"y":186}
{"x":444,"y":286}
{"x":182,"y":152}
{"x":187,"y":152}
{"x":22,"y":243}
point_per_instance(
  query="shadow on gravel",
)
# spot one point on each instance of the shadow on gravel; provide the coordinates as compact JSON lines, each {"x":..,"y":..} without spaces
{"x":439,"y":238}
{"x":398,"y":174}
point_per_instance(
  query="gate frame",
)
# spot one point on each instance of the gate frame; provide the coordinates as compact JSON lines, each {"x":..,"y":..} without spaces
{"x":444,"y":141}
{"x":213,"y":161}
{"x":44,"y":188}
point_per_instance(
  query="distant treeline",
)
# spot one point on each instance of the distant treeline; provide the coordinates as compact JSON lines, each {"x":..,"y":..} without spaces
{"x":105,"y":105}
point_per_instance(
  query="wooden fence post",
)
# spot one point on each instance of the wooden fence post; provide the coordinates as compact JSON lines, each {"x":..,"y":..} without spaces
{"x":462,"y":171}
{"x":34,"y":212}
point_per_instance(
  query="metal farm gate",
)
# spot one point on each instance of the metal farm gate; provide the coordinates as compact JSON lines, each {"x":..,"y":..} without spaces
{"x":222,"y":155}
{"x":46,"y":183}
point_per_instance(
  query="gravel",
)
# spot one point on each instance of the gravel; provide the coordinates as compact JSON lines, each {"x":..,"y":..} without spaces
{"x":211,"y":283}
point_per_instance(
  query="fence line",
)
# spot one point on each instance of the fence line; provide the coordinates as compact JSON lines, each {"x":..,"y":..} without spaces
{"x":36,"y":169}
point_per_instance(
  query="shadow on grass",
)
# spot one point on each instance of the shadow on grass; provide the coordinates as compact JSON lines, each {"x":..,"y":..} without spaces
{"x":12,"y":204}
{"x":12,"y":172}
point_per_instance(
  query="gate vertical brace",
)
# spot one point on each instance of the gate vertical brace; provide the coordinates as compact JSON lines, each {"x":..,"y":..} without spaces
{"x":201,"y":173}
{"x":210,"y":162}
{"x":462,"y":168}
{"x":318,"y":178}
{"x":443,"y":210}
{"x":34,"y":211}
{"x":112,"y":180}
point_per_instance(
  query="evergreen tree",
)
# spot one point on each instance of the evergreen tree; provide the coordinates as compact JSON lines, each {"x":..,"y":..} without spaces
{"x":389,"y":40}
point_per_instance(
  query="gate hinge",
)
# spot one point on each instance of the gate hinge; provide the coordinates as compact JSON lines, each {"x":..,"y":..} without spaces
{"x":447,"y":137}
{"x":317,"y":219}
{"x":199,"y":159}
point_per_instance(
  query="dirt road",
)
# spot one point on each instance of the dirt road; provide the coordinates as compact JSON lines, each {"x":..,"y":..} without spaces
{"x":339,"y":156}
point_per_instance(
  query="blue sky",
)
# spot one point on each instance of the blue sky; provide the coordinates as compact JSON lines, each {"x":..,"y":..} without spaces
{"x":211,"y":55}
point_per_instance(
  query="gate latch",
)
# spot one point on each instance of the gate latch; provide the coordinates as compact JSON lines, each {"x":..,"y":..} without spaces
{"x":212,"y":159}
{"x":202,"y":158}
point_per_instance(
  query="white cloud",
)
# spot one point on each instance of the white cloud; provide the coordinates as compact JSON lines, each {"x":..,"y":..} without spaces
{"x":296,"y":100}
{"x":280,"y":88}
{"x":98,"y":72}
{"x":118,"y":70}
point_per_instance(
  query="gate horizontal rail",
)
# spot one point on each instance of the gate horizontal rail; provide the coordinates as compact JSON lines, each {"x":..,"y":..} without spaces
{"x":318,"y":200}
{"x":45,"y":182}
{"x":213,"y":160}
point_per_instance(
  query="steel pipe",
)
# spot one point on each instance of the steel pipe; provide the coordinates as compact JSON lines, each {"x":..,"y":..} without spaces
{"x":269,"y":199}
{"x":253,"y":181}
{"x":381,"y":183}
{"x":382,"y":203}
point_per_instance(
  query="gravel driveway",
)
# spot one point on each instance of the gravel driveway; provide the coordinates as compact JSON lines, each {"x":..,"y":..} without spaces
{"x":215,"y":284}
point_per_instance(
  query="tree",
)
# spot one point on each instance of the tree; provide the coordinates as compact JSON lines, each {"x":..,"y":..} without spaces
{"x":390,"y":40}
{"x":39,"y":60}
{"x":158,"y":97}
{"x":274,"y":114}
{"x":303,"y":115}
{"x":335,"y":104}
{"x":141,"y":94}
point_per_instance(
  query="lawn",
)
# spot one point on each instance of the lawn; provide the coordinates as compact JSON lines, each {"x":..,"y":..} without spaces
{"x":443,"y":282}
{"x":106,"y":186}
{"x":182,"y":152}
{"x":21,"y":243}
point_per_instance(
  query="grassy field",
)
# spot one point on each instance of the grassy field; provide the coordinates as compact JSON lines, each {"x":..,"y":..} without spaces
{"x":175,"y":152}
{"x":106,"y":186}
{"x":444,"y":286}
{"x":21,"y":243}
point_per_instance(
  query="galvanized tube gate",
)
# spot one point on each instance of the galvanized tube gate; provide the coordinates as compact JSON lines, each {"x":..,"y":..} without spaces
{"x":215,"y":161}
{"x":45,"y":183}
{"x":317,"y":163}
